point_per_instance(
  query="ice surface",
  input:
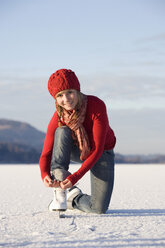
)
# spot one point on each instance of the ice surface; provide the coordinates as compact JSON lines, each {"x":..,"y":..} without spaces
{"x":136,"y":216}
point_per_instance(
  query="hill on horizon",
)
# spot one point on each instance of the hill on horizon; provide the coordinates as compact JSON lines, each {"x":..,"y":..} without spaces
{"x":19,"y":142}
{"x":22,"y":143}
{"x":17,"y":132}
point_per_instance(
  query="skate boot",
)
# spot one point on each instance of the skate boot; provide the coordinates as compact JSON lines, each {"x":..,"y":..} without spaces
{"x":59,"y":201}
{"x":71,"y":194}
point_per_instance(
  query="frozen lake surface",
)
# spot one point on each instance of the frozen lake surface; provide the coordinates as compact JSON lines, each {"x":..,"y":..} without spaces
{"x":136,"y":215}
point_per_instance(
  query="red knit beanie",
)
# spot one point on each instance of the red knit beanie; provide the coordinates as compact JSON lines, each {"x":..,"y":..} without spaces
{"x":62,"y":79}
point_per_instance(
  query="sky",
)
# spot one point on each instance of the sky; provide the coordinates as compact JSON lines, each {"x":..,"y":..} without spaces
{"x":116,"y":48}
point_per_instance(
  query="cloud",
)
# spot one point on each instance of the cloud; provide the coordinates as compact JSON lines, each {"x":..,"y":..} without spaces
{"x":138,"y":131}
{"x":126,"y":86}
{"x":148,"y":51}
{"x":154,"y":38}
{"x":21,"y":85}
{"x":118,"y":92}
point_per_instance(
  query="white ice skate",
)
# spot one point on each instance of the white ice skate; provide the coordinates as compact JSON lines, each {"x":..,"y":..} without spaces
{"x":59,"y":201}
{"x":71,"y":194}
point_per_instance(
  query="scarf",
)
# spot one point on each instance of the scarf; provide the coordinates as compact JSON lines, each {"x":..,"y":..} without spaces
{"x":79,"y":133}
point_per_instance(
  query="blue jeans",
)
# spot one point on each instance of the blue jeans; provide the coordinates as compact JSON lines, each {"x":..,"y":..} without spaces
{"x":102,"y":172}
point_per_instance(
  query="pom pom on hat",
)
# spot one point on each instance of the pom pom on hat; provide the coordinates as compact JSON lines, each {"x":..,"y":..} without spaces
{"x":63,"y":79}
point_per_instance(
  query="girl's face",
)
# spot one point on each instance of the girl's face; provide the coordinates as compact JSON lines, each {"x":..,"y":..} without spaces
{"x":67,"y":99}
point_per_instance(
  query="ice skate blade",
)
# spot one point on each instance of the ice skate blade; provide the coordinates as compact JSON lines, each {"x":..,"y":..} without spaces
{"x":55,"y":208}
{"x":60,"y":210}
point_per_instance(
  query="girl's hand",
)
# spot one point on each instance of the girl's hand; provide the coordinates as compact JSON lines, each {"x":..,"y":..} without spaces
{"x":50,"y":183}
{"x":65,"y":184}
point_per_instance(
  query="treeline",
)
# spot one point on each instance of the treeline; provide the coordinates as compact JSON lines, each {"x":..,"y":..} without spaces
{"x":18,"y":153}
{"x":11,"y":153}
{"x":22,"y":143}
{"x":140,"y":159}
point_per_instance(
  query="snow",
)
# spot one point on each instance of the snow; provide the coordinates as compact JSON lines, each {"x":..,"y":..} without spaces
{"x":136,"y":216}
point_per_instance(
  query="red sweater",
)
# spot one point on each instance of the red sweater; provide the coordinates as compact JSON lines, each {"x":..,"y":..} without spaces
{"x":101,"y":137}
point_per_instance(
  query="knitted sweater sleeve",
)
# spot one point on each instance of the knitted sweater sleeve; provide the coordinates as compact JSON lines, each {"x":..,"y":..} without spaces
{"x":99,"y":130}
{"x":45,"y":159}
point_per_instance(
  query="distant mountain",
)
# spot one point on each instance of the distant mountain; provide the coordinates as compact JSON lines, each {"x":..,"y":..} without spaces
{"x":19,"y":142}
{"x":16,"y":132}
{"x":22,"y":143}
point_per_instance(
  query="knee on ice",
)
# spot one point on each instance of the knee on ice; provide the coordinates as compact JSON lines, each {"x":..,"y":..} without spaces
{"x":99,"y":209}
